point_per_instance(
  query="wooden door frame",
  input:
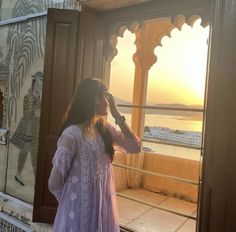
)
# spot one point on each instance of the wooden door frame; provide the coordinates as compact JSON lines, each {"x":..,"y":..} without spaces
{"x":74,"y":49}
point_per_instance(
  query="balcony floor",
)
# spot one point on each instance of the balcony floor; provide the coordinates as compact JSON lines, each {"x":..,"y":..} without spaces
{"x":143,"y":218}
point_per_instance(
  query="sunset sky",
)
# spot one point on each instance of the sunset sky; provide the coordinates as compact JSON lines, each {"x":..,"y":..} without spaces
{"x":179,"y":74}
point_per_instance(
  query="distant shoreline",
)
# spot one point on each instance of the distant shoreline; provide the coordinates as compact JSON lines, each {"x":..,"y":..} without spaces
{"x":197,"y":116}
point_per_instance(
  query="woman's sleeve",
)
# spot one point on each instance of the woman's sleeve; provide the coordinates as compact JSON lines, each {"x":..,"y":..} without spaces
{"x":61,"y":164}
{"x":124,"y":144}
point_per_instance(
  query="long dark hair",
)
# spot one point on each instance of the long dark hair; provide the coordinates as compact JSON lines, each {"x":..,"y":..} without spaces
{"x":82,"y":110}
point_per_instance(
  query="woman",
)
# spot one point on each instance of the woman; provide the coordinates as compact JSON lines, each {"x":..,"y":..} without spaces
{"x":81,"y":178}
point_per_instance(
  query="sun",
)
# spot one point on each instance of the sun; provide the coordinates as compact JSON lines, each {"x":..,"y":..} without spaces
{"x":179,"y":74}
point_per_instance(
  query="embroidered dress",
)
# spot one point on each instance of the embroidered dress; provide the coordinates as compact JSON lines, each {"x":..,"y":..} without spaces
{"x":82,"y":181}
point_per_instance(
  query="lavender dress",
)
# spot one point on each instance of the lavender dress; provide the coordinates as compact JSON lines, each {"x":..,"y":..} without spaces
{"x":82,"y":181}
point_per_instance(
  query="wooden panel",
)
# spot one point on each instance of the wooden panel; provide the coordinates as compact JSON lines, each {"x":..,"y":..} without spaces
{"x":74,"y":50}
{"x":58,"y":89}
{"x":219,"y":199}
{"x":91,"y":46}
{"x":57,"y":103}
{"x":218,"y":202}
{"x":49,"y":199}
{"x":221,"y":206}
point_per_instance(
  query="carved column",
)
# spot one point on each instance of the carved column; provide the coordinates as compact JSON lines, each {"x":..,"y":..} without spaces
{"x":148,"y":36}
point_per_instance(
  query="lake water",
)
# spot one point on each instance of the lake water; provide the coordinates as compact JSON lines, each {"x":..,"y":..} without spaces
{"x":173,"y":122}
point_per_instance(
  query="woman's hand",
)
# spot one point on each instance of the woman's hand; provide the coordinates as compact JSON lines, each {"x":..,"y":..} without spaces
{"x":112,"y":105}
{"x":119,"y":119}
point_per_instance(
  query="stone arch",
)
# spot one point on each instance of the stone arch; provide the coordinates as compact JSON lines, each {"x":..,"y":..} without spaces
{"x":114,"y":33}
{"x":166,"y":24}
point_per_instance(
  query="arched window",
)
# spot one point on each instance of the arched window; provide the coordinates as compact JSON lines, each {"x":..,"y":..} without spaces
{"x":161,"y":83}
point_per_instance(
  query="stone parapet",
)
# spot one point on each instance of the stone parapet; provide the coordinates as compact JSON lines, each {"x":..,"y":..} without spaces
{"x":21,"y":213}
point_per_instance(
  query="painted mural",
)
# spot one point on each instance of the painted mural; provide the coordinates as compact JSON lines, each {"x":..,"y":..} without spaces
{"x":22,"y":47}
{"x":25,"y":136}
{"x":8,"y":7}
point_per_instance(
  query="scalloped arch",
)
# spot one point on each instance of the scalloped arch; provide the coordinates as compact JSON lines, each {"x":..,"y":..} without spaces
{"x":118,"y":30}
{"x":115,"y":32}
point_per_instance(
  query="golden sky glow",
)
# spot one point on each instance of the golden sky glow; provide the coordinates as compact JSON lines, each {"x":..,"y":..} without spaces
{"x":179,"y":74}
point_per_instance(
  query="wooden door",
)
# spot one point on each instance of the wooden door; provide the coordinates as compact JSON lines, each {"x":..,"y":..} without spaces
{"x":74,"y":50}
{"x":218,"y":195}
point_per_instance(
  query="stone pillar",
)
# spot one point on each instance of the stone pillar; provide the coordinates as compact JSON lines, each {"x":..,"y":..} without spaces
{"x":148,"y":36}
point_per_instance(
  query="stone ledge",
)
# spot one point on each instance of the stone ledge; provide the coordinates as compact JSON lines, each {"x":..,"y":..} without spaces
{"x":21,"y":211}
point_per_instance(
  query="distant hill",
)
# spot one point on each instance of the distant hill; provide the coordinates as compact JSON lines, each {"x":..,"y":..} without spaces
{"x":194,"y":115}
{"x":120,"y":101}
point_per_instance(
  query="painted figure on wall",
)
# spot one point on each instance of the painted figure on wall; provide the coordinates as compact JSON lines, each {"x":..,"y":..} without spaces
{"x":26,"y":135}
{"x":1,"y":107}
